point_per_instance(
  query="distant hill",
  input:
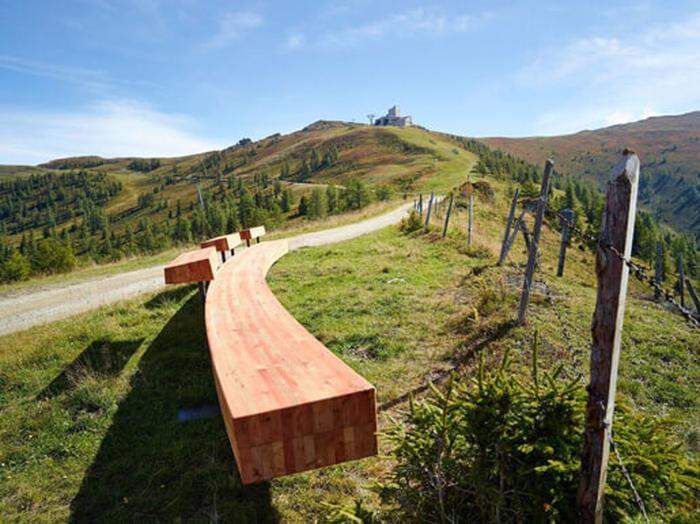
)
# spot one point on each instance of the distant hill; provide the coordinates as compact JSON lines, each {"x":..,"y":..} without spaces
{"x":111,"y":206}
{"x":669,"y":147}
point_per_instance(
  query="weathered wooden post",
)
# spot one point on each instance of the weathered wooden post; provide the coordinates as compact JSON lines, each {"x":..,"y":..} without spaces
{"x":681,"y":279}
{"x":534,"y":243}
{"x":470,"y":225}
{"x":420,"y":205}
{"x":513,"y":235}
{"x":659,"y":269}
{"x":509,"y":223}
{"x":566,"y":217}
{"x":430,"y":208}
{"x":447,"y":217}
{"x":694,"y":296}
{"x":617,"y":230}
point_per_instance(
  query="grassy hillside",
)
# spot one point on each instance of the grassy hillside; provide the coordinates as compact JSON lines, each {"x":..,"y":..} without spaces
{"x":405,"y":159}
{"x":89,"y":405}
{"x":105,"y":209}
{"x":668,"y":146}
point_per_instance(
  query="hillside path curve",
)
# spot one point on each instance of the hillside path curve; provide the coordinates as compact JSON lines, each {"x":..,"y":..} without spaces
{"x":55,"y":302}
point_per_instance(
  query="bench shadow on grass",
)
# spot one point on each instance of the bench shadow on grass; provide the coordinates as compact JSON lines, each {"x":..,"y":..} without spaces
{"x":101,"y":357}
{"x":149,"y":466}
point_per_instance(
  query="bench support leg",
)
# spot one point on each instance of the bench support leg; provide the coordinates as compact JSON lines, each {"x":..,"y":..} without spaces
{"x":202,"y":286}
{"x":223,"y":256}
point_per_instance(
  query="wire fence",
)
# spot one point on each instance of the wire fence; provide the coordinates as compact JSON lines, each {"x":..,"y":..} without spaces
{"x":637,"y":497}
{"x":638,"y":270}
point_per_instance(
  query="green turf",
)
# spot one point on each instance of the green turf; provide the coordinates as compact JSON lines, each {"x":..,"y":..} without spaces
{"x":88,"y":406}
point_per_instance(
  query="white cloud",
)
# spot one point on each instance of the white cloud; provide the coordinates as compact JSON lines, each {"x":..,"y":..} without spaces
{"x":565,"y":121}
{"x":620,"y":79}
{"x":295,"y":41}
{"x":232,"y":26}
{"x":418,"y":21}
{"x":77,"y":75}
{"x":110,"y":128}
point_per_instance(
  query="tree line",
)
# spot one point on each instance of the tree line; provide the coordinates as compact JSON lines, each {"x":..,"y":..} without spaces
{"x":45,"y":200}
{"x":316,"y":159}
{"x":226,"y":206}
{"x":587,"y":201}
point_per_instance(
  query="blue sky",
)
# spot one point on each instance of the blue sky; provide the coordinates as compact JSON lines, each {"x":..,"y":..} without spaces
{"x":168,"y":77}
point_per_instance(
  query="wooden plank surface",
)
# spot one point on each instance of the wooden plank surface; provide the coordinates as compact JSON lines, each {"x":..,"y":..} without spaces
{"x":223,"y":243}
{"x":199,"y":265}
{"x":289,"y":404}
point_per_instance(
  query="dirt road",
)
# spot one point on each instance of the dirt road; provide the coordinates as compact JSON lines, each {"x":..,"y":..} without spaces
{"x":38,"y":307}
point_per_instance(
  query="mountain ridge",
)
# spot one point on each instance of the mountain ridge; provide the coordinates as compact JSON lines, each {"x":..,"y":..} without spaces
{"x":668,"y":146}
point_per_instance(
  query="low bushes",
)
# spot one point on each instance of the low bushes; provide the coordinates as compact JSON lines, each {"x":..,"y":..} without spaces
{"x":413,"y":222}
{"x":503,"y":447}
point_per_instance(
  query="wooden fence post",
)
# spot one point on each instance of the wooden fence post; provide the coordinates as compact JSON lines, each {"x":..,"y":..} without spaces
{"x":420,"y":205}
{"x":470,"y":225}
{"x":509,"y":223}
{"x":566,"y":217}
{"x":617,"y":230}
{"x":694,"y":296}
{"x":681,"y":279}
{"x":534,"y":243}
{"x":430,"y":208}
{"x":513,"y":235}
{"x":659,"y":269}
{"x":447,"y":218}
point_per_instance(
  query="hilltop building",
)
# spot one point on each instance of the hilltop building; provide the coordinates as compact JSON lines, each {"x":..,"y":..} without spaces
{"x":394,"y":118}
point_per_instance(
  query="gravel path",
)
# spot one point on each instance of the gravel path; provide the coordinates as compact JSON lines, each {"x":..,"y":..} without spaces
{"x":57,"y":302}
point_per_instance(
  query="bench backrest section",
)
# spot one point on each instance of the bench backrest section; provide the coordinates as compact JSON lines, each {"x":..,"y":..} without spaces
{"x":223,"y":243}
{"x":199,"y":265}
{"x":253,"y":233}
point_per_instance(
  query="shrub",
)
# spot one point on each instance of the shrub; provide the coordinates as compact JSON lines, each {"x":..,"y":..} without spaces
{"x":52,"y":256}
{"x":384,"y":193}
{"x":506,"y":448}
{"x":411,"y":223}
{"x":16,"y":267}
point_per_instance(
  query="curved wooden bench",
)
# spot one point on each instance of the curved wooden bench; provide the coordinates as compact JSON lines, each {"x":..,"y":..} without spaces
{"x":288,"y":403}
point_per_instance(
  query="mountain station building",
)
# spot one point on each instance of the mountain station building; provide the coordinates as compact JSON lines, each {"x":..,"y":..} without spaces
{"x":394,"y":118}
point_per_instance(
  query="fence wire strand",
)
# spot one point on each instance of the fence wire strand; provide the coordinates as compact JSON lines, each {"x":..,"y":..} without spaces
{"x":637,"y":497}
{"x":638,"y":270}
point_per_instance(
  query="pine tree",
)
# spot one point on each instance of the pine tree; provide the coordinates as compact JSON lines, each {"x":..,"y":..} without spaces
{"x":286,"y":200}
{"x":303,"y":206}
{"x":318,"y":207}
{"x":14,"y":267}
{"x":332,"y":199}
{"x":183,"y":230}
